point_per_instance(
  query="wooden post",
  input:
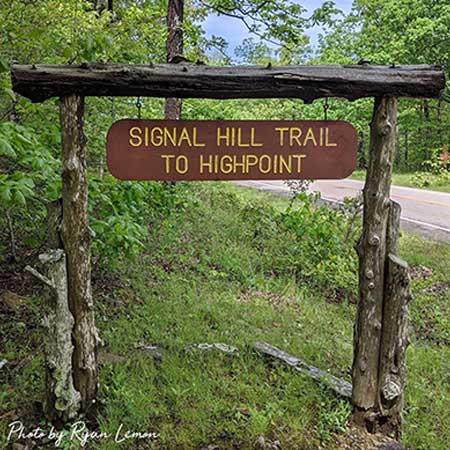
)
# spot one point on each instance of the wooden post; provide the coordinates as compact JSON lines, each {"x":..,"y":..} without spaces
{"x":372,"y":255}
{"x":379,"y":338}
{"x":394,"y":337}
{"x":62,"y":401}
{"x":76,"y":241}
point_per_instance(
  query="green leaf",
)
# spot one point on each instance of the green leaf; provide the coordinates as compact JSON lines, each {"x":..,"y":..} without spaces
{"x":6,"y":194}
{"x":10,"y":93}
{"x":6,"y":149}
{"x":19,"y":198}
{"x":4,"y":66}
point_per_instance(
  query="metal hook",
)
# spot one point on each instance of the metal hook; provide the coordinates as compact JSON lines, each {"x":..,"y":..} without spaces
{"x":139,"y":106}
{"x":326,"y":106}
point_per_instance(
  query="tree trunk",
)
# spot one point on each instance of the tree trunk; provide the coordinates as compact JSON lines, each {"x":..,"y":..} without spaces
{"x":174,"y":47}
{"x":76,"y":240}
{"x":372,"y":257}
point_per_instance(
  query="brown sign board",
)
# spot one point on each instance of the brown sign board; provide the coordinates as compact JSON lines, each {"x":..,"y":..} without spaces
{"x":231,"y":150}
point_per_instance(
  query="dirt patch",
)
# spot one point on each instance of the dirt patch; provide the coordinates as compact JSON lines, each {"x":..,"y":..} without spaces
{"x":420,"y":272}
{"x":340,"y":295}
{"x":439,"y":288}
{"x":358,"y":439}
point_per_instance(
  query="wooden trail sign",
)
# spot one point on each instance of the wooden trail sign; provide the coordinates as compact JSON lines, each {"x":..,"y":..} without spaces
{"x":231,"y":150}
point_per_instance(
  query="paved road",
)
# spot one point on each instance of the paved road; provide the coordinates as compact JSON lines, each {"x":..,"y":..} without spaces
{"x":424,"y":212}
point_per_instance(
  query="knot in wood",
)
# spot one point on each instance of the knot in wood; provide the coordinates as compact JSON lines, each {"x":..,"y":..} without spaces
{"x":369,"y":274}
{"x":371,"y":285}
{"x":51,"y":256}
{"x":374,"y":240}
{"x":362,"y":365}
{"x":391,"y":388}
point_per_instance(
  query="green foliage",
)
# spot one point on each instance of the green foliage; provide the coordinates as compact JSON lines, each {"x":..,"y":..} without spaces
{"x":30,"y":167}
{"x":320,"y":252}
{"x":436,"y":171}
{"x":122,"y":212}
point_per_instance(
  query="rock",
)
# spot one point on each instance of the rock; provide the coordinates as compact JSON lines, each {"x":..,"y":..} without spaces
{"x":261,"y":443}
{"x":18,"y":446}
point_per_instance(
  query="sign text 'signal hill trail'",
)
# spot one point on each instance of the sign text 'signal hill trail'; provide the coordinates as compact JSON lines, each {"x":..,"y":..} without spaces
{"x":231,"y":150}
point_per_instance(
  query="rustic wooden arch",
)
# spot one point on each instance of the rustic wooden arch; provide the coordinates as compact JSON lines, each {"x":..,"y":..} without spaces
{"x":380,"y":337}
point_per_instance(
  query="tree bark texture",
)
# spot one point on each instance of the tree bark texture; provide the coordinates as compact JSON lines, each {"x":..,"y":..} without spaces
{"x":62,"y":400}
{"x":76,"y":240}
{"x":380,"y":337}
{"x":174,"y":47}
{"x":41,"y":82}
{"x":394,"y":342}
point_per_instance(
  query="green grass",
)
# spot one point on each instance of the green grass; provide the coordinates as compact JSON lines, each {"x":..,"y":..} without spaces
{"x":212,"y":272}
{"x":419,"y":180}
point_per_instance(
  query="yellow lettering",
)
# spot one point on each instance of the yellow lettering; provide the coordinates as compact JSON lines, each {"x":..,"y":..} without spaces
{"x":299,"y":162}
{"x":240,"y":143}
{"x":184,"y":136}
{"x":168,"y":136}
{"x":196,"y":143}
{"x":178,"y":165}
{"x":167,"y":158}
{"x":156,"y":136}
{"x":225,"y":136}
{"x":327,"y":142}
{"x":135,"y":137}
{"x":294,"y":135}
{"x":208,"y":164}
{"x":281,"y":130}
{"x":285,"y":165}
{"x":240,"y":165}
{"x":226,"y":168}
{"x":269,"y":163}
{"x":310,"y":137}
{"x":253,"y":139}
{"x":251,"y":160}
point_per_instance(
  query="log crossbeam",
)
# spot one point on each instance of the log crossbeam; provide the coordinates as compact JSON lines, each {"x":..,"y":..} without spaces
{"x":41,"y":82}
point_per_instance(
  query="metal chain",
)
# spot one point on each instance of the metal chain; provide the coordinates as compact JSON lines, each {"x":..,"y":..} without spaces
{"x":326,"y":106}
{"x":139,"y":106}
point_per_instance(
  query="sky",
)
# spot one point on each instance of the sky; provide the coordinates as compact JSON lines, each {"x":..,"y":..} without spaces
{"x":234,"y":31}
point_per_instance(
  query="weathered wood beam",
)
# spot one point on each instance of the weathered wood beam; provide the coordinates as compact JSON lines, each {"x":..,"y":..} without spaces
{"x":41,"y":82}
